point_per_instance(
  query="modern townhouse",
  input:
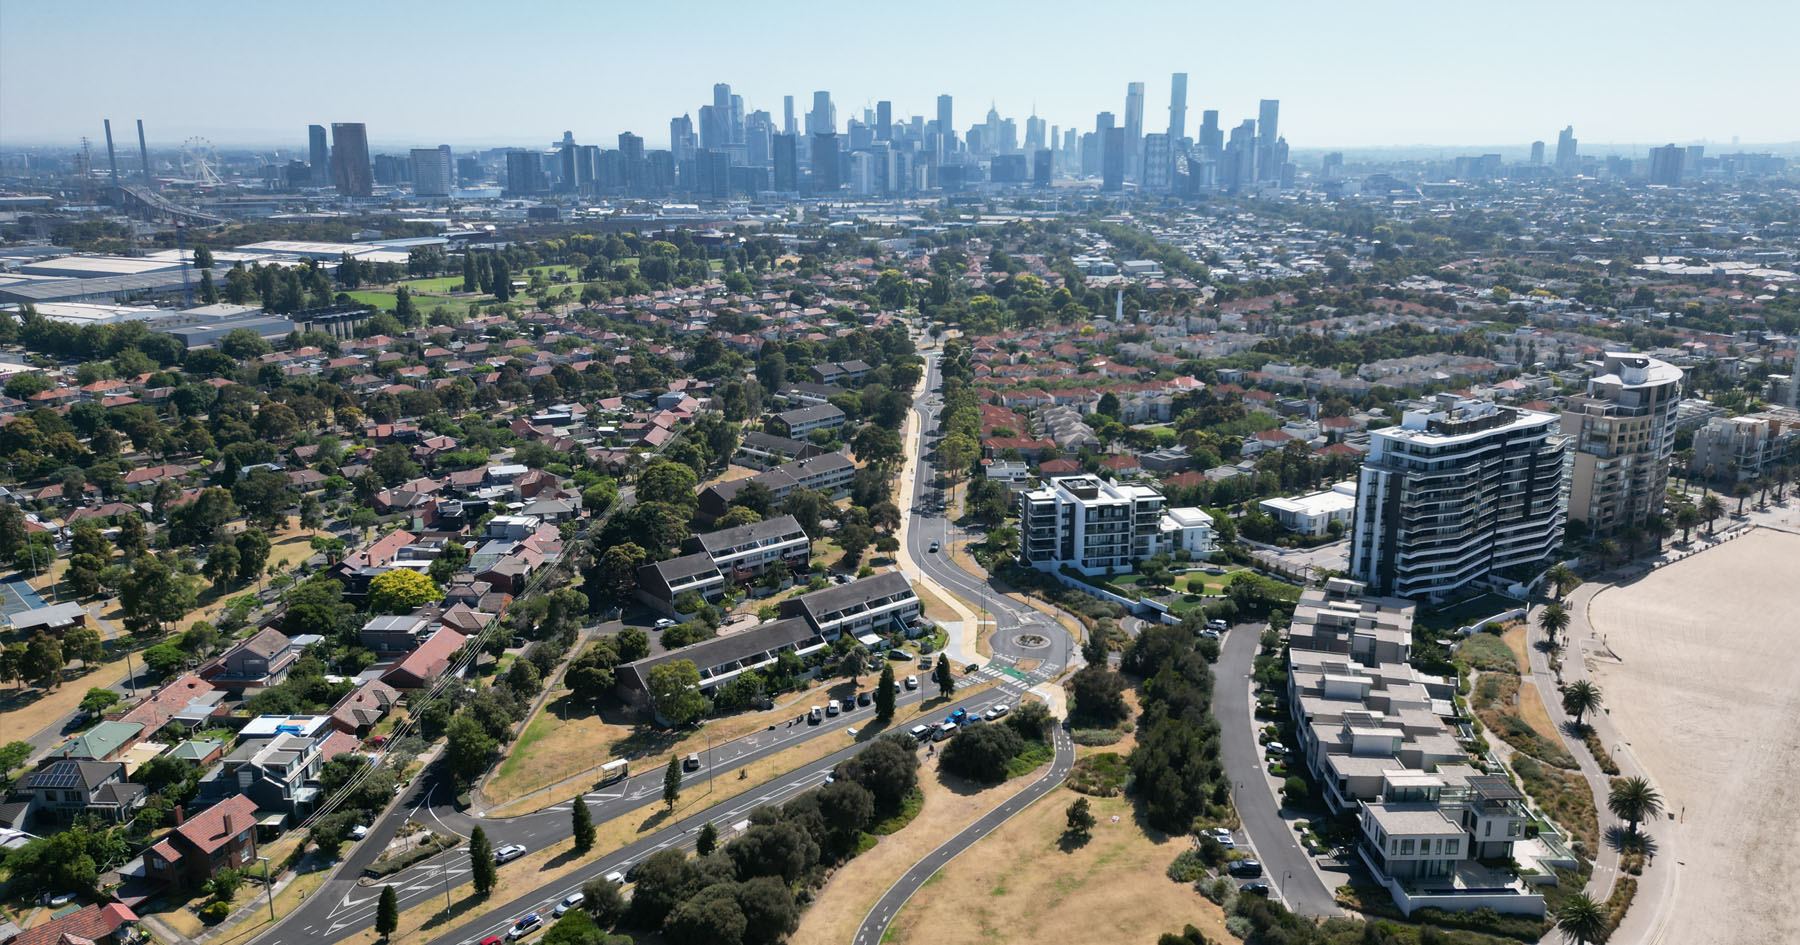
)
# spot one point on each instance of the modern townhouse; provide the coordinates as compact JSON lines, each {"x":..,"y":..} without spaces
{"x":745,"y":552}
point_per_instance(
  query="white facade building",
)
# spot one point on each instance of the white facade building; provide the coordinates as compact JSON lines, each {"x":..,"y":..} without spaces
{"x":1189,"y":530}
{"x":1312,"y":514}
{"x":1089,"y":524}
{"x":1457,"y":494}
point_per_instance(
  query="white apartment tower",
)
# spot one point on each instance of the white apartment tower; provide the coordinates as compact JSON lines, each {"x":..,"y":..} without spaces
{"x":1455,"y":494}
{"x":1090,"y":524}
{"x":1622,"y":438}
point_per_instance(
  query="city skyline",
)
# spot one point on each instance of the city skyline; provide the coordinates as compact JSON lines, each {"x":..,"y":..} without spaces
{"x":1350,"y":87}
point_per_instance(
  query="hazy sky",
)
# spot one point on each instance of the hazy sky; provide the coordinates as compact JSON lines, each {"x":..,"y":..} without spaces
{"x":520,"y":72}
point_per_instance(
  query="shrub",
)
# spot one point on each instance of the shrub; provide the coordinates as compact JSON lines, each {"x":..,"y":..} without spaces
{"x":1101,"y":774}
{"x":1219,"y":890}
{"x":1186,"y":867}
{"x":1293,"y":790}
{"x":215,"y":912}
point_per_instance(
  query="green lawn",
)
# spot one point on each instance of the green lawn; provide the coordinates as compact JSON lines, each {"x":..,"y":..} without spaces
{"x":381,"y":300}
{"x":439,"y":286}
{"x":550,"y":272}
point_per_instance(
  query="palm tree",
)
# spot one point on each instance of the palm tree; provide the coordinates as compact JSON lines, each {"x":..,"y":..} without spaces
{"x":1553,"y":620}
{"x":1710,"y":509}
{"x":1687,"y":518}
{"x":1565,"y":579}
{"x":1633,"y":536}
{"x":1608,"y":551}
{"x":1763,"y":485}
{"x":1684,"y":459}
{"x":1633,"y":800}
{"x":1740,"y":492}
{"x":1582,"y":920}
{"x":1658,"y":527}
{"x":1580,"y":698}
{"x":1783,"y":476}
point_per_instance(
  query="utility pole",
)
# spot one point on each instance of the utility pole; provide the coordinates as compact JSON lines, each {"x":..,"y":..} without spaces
{"x":268,"y":886}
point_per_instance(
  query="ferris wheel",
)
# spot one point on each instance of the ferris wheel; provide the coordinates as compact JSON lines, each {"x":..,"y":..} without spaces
{"x":199,"y":162}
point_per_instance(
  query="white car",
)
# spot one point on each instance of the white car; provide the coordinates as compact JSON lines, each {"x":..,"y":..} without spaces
{"x":359,"y":831}
{"x":573,"y":900}
{"x":525,"y":926}
{"x":912,"y":682}
{"x":508,"y":853}
{"x":1275,"y":748}
{"x":996,"y":711}
{"x":1222,"y":836}
{"x":664,"y":624}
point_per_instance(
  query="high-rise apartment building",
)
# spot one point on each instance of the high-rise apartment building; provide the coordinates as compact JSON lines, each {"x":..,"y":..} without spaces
{"x":1537,"y":153}
{"x":946,"y":127}
{"x":884,"y":121}
{"x":1566,"y":155}
{"x":1456,"y":493}
{"x":1665,"y":165}
{"x":787,"y":115}
{"x":825,"y":174}
{"x":1268,"y":118}
{"x":1159,"y":164}
{"x":1237,"y":165}
{"x":318,"y":155}
{"x":351,"y":172}
{"x":1177,"y":106}
{"x":1088,"y":523}
{"x":787,"y":164}
{"x":1112,"y":159}
{"x":524,"y":173}
{"x":1621,"y":440}
{"x":431,"y":171}
{"x":1134,"y":131}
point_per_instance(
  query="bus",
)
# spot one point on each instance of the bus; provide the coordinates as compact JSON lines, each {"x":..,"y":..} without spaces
{"x":614,"y":771}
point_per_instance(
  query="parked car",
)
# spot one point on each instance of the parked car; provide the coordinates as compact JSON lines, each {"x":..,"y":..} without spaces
{"x":944,"y":730}
{"x":359,"y":831}
{"x":997,"y":711}
{"x":491,"y":940}
{"x":912,"y":682}
{"x":863,"y":698}
{"x":691,"y":762}
{"x":616,"y":878}
{"x":920,"y":733}
{"x":815,"y":715}
{"x":1219,"y":625}
{"x":664,"y":624}
{"x":570,"y":902}
{"x":1258,"y":888}
{"x":508,"y":853}
{"x":831,"y":708}
{"x":1245,"y":868}
{"x":525,"y":926}
{"x":1275,"y":748}
{"x":1222,"y":837}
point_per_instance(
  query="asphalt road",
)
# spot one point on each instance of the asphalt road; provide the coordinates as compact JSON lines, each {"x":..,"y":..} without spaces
{"x":875,"y":924}
{"x":1286,"y":867}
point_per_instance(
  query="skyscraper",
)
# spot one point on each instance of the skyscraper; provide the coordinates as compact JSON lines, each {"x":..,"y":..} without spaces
{"x":1177,"y":106}
{"x":524,"y":173}
{"x":1159,"y":164}
{"x":825,"y":176}
{"x":1268,"y":115}
{"x":1237,"y":166}
{"x":822,"y":120}
{"x":350,"y":169}
{"x":1458,"y":491}
{"x":946,"y":128}
{"x":710,"y":128}
{"x":1112,"y":158}
{"x":431,"y":173}
{"x":681,"y":138}
{"x":1537,"y":153}
{"x":1212,"y":140}
{"x":787,"y":164}
{"x":1665,"y":165}
{"x":787,"y":115}
{"x":721,"y":116}
{"x":1622,"y":438}
{"x":884,"y":120}
{"x":318,"y":155}
{"x":631,"y":151}
{"x":1134,"y":131}
{"x":1566,"y":150}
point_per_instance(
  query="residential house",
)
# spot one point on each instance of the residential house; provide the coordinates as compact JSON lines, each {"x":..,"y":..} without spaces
{"x":801,"y":421}
{"x":109,"y":924}
{"x":106,"y":741}
{"x":722,"y":659}
{"x":62,"y":789}
{"x":879,"y":604}
{"x":257,"y":663}
{"x":423,"y":665}
{"x":363,"y":707}
{"x":745,"y":552}
{"x":220,"y":837}
{"x":659,"y":583}
{"x":829,"y":473}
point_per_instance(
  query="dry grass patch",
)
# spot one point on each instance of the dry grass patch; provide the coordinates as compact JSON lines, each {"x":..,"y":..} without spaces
{"x":841,"y":906}
{"x":1020,"y":885}
{"x":1534,"y":712}
{"x":24,"y":711}
{"x":1514,"y":638}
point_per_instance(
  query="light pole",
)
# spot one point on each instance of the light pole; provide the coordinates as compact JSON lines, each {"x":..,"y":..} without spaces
{"x":709,"y":762}
{"x":444,"y":874}
{"x":268,"y":886}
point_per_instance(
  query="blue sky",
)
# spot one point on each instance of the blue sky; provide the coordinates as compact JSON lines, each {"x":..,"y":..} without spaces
{"x":1360,"y":74}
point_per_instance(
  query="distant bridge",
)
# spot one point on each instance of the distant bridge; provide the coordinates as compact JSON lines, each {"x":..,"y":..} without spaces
{"x":139,"y":198}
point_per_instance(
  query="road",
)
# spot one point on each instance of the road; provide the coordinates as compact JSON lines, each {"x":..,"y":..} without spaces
{"x":1286,"y":866}
{"x":875,"y":924}
{"x":342,"y":907}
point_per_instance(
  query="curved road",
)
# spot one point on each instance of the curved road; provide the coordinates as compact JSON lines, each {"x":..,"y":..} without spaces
{"x":342,"y":907}
{"x":1012,"y":621}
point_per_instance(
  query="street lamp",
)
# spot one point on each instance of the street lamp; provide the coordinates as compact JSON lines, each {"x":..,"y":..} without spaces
{"x":268,"y":886}
{"x":709,"y":762}
{"x":444,"y":874}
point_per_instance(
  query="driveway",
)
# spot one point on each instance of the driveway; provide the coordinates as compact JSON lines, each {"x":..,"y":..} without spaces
{"x":1286,"y":865}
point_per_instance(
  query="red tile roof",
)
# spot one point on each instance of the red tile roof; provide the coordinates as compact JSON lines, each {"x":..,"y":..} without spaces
{"x":206,"y":831}
{"x":89,"y":922}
